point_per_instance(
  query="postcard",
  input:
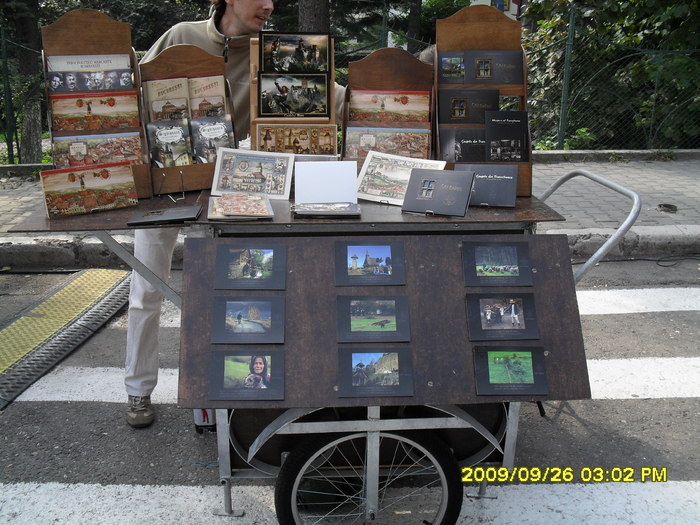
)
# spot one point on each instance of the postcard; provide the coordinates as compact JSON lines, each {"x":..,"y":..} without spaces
{"x":325,"y":181}
{"x":375,"y":372}
{"x":254,"y":172}
{"x":298,"y":95}
{"x":248,"y":319}
{"x":496,"y":263}
{"x":207,"y":96}
{"x":169,"y":143}
{"x":58,"y":81}
{"x":451,"y":67}
{"x":170,"y":109}
{"x":209,"y":134}
{"x":368,"y":263}
{"x":510,"y":370}
{"x":250,"y":264}
{"x":77,"y":63}
{"x":465,"y":106}
{"x":493,"y":67}
{"x":299,"y":139}
{"x":80,"y":150}
{"x":501,"y":316}
{"x":94,"y":111}
{"x":246,"y":375}
{"x":294,"y":52}
{"x":384,"y":178}
{"x":239,"y":205}
{"x":87,"y":189}
{"x":407,"y":142}
{"x":389,"y":106}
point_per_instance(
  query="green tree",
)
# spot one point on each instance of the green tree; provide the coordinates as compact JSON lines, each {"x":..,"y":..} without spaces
{"x":635,"y":70}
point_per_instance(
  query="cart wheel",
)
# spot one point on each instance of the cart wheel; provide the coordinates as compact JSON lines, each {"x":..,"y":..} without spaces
{"x":419,"y":481}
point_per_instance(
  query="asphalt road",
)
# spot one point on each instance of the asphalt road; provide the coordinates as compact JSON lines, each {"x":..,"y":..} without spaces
{"x":67,"y":455}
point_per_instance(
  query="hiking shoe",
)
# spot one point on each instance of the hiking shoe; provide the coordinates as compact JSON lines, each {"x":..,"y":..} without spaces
{"x":139,"y":412}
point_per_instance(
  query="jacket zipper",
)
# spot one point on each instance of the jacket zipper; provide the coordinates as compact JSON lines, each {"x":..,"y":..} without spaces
{"x":227,"y":39}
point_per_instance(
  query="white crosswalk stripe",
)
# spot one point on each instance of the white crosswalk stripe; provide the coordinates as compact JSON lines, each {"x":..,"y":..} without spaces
{"x":612,"y":503}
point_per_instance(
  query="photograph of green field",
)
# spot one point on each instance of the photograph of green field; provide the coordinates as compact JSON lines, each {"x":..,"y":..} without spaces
{"x":510,"y":368}
{"x":373,"y":316}
{"x":375,"y":369}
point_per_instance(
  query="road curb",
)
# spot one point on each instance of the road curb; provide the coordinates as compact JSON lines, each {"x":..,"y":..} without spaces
{"x":53,"y":252}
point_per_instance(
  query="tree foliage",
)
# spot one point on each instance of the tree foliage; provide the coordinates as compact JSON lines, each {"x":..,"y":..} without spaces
{"x":635,"y":70}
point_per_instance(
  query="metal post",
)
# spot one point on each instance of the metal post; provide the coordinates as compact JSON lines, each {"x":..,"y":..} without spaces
{"x":564,"y":114}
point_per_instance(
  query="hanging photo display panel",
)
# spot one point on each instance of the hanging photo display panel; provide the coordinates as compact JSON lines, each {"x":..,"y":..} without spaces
{"x":249,"y":265}
{"x":248,"y":320}
{"x":294,"y":52}
{"x":372,"y":263}
{"x":510,"y":370}
{"x":501,"y":316}
{"x":375,"y":372}
{"x":496,"y":263}
{"x":373,"y":319}
{"x":247,"y":375}
{"x":293,"y":95}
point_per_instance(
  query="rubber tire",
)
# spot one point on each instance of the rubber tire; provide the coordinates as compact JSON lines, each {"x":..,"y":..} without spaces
{"x":310,"y":446}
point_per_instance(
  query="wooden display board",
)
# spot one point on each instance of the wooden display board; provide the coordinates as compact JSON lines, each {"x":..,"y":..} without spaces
{"x":91,"y":32}
{"x":390,"y":69}
{"x":482,"y":27}
{"x":183,"y":60}
{"x":255,"y":117}
{"x":435,"y":343}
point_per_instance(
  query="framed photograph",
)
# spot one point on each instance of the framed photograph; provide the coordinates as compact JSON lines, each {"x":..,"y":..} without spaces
{"x":371,"y":263}
{"x":94,"y":111}
{"x":299,"y":139}
{"x":414,"y":143}
{"x":510,"y":370}
{"x":248,"y":320}
{"x":253,"y":172}
{"x":297,"y":95}
{"x":294,"y":52}
{"x":374,"y":372}
{"x":247,"y":375}
{"x":501,"y":316}
{"x":247,"y":265}
{"x":384,"y":178}
{"x":496,"y":263}
{"x":365,"y":319}
{"x":389,"y":106}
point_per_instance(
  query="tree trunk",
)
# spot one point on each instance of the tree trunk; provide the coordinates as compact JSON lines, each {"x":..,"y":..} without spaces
{"x":414,"y":26}
{"x":314,"y":16}
{"x":25,"y":24}
{"x":30,"y":137}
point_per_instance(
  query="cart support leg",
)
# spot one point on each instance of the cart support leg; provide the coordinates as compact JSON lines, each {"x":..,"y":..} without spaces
{"x":511,"y":435}
{"x":372,"y":470}
{"x":222,"y":440}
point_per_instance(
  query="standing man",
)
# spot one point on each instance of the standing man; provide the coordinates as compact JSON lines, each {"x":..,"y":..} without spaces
{"x":227,"y":32}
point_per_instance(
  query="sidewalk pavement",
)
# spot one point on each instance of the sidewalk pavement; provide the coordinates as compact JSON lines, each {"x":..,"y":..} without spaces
{"x":592,"y":211}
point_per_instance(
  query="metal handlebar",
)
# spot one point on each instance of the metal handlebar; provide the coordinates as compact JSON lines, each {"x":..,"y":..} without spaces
{"x":621,"y":230}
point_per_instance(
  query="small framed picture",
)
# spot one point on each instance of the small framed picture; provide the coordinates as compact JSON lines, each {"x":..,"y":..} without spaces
{"x":374,"y":372}
{"x":293,"y":95}
{"x":501,"y":316}
{"x":251,"y":375}
{"x":373,"y":319}
{"x":294,"y":52}
{"x":250,"y":265}
{"x":509,"y":370}
{"x":367,"y":264}
{"x":248,"y":320}
{"x":496,"y":263}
